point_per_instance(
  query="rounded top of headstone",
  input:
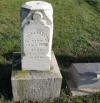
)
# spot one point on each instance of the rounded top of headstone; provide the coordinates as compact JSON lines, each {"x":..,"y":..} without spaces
{"x":37,"y":5}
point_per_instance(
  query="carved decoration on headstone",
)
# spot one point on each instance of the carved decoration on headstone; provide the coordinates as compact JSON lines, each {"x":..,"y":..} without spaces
{"x":36,"y":37}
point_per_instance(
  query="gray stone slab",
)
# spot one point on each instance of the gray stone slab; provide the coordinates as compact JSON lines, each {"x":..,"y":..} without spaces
{"x":84,"y":78}
{"x":87,"y":67}
{"x":35,"y":84}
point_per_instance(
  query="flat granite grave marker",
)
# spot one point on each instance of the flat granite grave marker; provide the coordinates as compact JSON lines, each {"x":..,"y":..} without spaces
{"x":35,"y":72}
{"x":85,"y":78}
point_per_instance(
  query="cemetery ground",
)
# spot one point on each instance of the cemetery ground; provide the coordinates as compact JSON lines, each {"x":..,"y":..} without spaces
{"x":76,"y":39}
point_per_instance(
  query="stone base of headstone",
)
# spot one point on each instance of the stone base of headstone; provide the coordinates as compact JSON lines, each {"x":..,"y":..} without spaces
{"x":39,"y":85}
{"x":83,"y":78}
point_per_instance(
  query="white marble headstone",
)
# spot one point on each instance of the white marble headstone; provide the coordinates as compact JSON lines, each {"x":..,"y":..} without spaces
{"x":36,"y":35}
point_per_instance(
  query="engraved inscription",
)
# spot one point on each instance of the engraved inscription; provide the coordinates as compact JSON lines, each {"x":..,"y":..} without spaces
{"x":36,"y":38}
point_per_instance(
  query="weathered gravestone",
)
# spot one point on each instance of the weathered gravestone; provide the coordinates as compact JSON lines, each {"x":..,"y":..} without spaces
{"x":40,"y":77}
{"x":36,"y":35}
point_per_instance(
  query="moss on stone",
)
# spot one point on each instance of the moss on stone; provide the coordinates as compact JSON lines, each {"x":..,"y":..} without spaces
{"x":19,"y":73}
{"x":24,"y":73}
{"x":39,"y":71}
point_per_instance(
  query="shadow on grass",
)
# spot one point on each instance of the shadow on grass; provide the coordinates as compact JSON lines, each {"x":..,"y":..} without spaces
{"x":65,"y":61}
{"x":5,"y":81}
{"x":95,"y":4}
{"x":8,"y":55}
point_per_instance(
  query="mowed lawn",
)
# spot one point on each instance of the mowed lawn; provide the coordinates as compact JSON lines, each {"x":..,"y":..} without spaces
{"x":76,"y":39}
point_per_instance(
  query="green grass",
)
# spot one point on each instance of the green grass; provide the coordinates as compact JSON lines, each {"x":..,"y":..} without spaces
{"x":76,"y":39}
